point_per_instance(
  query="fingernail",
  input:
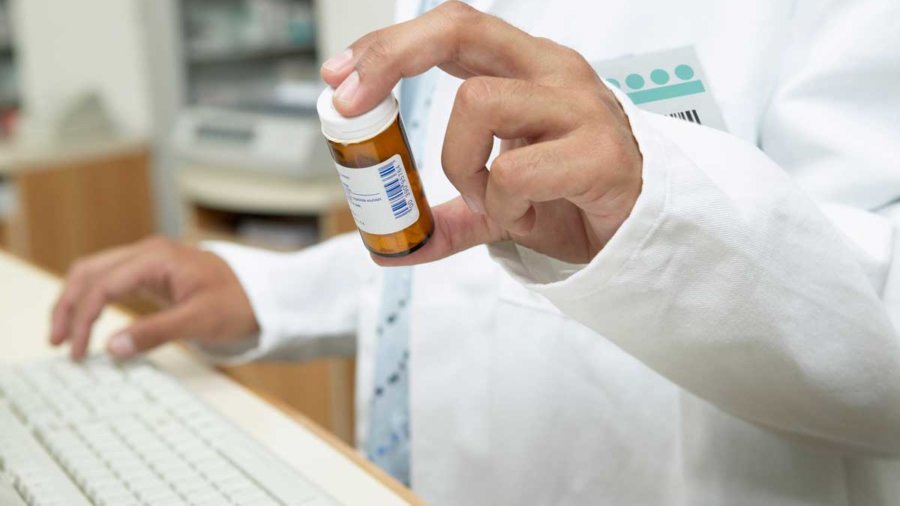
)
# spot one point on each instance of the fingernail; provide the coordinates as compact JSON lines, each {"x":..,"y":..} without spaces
{"x":347,"y":90}
{"x":474,"y":205}
{"x":338,"y":62}
{"x":121,"y":346}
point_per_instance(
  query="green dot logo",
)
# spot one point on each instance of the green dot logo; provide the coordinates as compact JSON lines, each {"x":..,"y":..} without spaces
{"x":684,"y":72}
{"x":615,"y":83}
{"x":634,"y":81}
{"x":659,"y":76}
{"x":662,"y":87}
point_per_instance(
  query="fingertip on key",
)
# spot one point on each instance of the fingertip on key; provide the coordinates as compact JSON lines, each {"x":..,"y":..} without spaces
{"x":121,"y":346}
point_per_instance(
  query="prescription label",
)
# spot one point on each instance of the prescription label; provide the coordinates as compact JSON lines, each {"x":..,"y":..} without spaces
{"x":379,"y":196}
{"x":670,"y":82}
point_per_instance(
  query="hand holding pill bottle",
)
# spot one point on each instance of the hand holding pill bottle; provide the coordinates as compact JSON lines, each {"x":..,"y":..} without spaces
{"x":376,"y":167}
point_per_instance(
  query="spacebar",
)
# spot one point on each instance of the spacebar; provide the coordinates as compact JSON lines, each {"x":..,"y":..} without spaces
{"x":35,"y":475}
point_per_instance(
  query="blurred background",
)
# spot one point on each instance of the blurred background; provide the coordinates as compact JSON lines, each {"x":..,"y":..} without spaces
{"x":190,"y":118}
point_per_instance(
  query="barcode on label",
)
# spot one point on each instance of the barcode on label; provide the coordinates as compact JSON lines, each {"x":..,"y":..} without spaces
{"x":690,"y":115}
{"x":396,"y":196}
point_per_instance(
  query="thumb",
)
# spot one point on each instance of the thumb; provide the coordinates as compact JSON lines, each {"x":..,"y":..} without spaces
{"x":147,"y":333}
{"x":456,"y":229}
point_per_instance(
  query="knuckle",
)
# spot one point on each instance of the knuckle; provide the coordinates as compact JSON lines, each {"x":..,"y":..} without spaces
{"x":546,"y":44}
{"x":474,"y":92}
{"x":616,"y":152}
{"x":572,"y":57}
{"x":457,"y":17}
{"x":376,"y":52}
{"x":570,"y":61}
{"x":95,"y":300}
{"x":585,"y":107}
{"x":456,"y":10}
{"x":77,"y":270}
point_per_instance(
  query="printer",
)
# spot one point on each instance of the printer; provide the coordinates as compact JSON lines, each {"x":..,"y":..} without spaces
{"x":279,"y":136}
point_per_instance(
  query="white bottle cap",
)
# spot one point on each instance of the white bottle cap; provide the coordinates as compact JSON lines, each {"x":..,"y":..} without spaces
{"x":339,"y":128}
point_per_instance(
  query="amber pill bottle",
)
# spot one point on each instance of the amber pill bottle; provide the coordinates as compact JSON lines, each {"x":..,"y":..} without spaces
{"x":376,"y":167}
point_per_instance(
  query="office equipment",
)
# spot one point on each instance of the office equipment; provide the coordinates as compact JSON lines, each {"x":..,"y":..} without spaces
{"x":282,"y":144}
{"x":103,"y":433}
{"x":25,"y":302}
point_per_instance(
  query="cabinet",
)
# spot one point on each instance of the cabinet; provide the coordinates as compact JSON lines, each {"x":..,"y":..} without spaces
{"x":58,"y":203}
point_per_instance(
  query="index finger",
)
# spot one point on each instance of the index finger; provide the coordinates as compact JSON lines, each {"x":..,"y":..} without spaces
{"x":77,"y":280}
{"x":453,"y":36}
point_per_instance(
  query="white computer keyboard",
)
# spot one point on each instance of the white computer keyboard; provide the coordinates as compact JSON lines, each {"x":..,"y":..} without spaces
{"x":108,"y":434}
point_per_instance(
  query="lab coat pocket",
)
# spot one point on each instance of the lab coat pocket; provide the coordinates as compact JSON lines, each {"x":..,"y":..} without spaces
{"x":513,"y":292}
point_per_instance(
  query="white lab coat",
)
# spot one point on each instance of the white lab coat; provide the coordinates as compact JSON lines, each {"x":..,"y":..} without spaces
{"x":734,"y":344}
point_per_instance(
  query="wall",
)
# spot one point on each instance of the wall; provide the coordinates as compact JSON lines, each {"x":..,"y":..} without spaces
{"x":344,"y":21}
{"x":71,"y":46}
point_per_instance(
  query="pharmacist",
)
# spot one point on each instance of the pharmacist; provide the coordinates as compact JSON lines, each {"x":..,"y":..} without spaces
{"x":666,"y":313}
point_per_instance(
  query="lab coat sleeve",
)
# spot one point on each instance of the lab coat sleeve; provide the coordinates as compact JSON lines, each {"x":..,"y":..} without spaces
{"x":306,"y":303}
{"x":767,"y":284}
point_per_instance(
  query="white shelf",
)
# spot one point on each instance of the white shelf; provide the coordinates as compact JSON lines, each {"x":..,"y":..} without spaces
{"x":258,"y":193}
{"x":228,"y":55}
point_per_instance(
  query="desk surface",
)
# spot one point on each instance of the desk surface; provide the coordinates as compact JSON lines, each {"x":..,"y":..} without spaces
{"x":26,"y":296}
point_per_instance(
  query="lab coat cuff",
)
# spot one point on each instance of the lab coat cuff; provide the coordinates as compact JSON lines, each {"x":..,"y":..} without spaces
{"x":253,"y":276}
{"x":559,"y":280}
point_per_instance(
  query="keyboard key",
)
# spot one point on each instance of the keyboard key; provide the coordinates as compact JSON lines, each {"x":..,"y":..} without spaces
{"x":113,"y":434}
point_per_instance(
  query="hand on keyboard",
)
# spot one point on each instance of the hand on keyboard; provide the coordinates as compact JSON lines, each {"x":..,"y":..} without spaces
{"x":204,"y":299}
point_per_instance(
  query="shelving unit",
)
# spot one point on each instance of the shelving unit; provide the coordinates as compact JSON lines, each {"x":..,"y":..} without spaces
{"x":275,"y":51}
{"x":239,"y":51}
{"x":240,"y":55}
{"x":268,"y":211}
{"x":257,"y":57}
{"x":9,"y":103}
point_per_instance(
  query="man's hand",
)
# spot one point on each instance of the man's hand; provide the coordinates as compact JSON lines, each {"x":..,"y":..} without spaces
{"x":569,"y":171}
{"x":203,"y":298}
